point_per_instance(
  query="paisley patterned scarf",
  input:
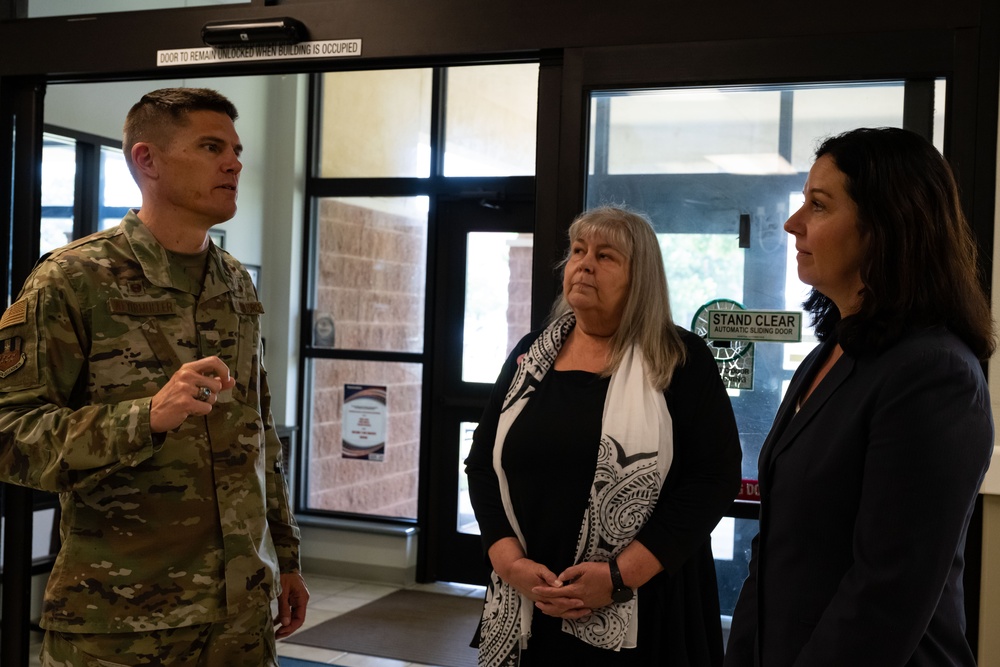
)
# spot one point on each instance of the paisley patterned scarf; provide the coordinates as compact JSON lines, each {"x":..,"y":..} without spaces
{"x":633,"y":459}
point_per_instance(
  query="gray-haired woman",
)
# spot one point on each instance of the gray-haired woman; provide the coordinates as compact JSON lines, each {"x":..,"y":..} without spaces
{"x":606,"y":456}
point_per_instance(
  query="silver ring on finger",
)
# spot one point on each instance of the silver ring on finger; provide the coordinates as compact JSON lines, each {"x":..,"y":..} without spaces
{"x":203,"y":393}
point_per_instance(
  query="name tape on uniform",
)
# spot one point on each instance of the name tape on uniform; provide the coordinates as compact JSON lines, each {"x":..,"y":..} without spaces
{"x":332,"y":48}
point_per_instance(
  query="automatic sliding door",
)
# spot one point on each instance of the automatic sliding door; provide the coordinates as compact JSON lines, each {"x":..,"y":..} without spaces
{"x":697,"y":159}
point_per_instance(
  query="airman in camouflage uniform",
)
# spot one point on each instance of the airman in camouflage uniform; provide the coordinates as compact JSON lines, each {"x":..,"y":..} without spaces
{"x":131,"y":384}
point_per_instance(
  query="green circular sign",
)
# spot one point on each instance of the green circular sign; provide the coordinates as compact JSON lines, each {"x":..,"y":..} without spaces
{"x":724,"y":350}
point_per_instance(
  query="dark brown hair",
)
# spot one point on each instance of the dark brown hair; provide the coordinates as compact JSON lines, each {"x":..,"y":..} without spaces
{"x":919,"y":268}
{"x":153,"y":116}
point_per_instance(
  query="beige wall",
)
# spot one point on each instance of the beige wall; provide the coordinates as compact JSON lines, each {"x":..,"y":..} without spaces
{"x":989,"y":619}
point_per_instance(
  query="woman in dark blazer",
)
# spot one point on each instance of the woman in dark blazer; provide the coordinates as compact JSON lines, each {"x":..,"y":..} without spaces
{"x":870,"y":473}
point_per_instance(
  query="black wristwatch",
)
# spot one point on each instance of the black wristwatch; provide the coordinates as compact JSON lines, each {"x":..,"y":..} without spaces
{"x":619,"y":591}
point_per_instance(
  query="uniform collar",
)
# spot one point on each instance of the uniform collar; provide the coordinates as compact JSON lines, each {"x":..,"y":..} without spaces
{"x":160,"y":271}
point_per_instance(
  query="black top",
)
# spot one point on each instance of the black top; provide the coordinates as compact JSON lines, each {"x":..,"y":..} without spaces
{"x":550,"y":463}
{"x":550,"y":458}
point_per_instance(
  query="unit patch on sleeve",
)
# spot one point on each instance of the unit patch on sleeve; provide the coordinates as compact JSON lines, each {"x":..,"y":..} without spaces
{"x":11,"y":356}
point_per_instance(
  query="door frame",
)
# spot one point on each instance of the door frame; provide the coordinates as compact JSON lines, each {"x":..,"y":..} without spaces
{"x":970,"y":134}
{"x":444,"y":554}
{"x":969,"y":142}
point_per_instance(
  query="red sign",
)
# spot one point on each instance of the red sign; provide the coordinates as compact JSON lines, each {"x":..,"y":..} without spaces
{"x":749,"y":490}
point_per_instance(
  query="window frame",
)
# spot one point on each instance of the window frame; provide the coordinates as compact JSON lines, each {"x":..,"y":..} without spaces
{"x":88,"y":210}
{"x":434,"y":186}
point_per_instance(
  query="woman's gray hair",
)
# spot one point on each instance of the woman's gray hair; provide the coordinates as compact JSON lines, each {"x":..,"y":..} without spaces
{"x":646,"y":319}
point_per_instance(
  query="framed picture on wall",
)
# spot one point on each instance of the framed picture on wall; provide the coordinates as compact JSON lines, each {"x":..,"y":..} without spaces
{"x":254,"y":272}
{"x":218,"y":237}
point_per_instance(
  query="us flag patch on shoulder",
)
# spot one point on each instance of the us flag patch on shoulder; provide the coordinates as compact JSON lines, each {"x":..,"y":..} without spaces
{"x":16,"y":314}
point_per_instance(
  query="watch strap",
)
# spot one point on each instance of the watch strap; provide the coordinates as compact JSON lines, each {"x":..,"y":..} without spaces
{"x":619,"y":591}
{"x":617,"y":583}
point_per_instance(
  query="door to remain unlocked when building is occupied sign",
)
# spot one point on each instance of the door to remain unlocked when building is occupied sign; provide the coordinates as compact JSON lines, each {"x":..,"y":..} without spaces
{"x":209,"y":55}
{"x":731,"y":332}
{"x":363,"y":422}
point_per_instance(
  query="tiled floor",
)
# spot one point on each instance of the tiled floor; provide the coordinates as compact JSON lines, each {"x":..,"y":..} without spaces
{"x":330,"y":597}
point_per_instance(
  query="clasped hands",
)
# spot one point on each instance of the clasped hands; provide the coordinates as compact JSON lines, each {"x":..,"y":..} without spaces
{"x":572,"y":594}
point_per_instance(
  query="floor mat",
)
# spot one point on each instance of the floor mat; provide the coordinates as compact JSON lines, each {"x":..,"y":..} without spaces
{"x":416,"y":626}
{"x":296,"y":662}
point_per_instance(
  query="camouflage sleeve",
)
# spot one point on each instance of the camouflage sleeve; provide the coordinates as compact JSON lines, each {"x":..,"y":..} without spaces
{"x":280,"y":520}
{"x":51,"y":438}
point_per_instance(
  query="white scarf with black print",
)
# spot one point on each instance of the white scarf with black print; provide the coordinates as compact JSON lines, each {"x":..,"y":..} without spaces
{"x":633,"y":459}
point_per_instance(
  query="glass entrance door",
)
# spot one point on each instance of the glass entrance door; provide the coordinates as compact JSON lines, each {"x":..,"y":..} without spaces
{"x":484,"y":257}
{"x":718,"y":170}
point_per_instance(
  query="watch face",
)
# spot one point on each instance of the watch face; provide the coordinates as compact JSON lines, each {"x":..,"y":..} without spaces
{"x":621,"y":594}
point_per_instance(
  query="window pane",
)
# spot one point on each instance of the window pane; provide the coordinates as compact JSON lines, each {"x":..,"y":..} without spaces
{"x":796,"y":293}
{"x":56,"y":232}
{"x":697,"y":161}
{"x":940,"y":89}
{"x":699,"y":267}
{"x":490,"y":120}
{"x":58,"y":171}
{"x":372,"y":256}
{"x":376,"y":124}
{"x":118,"y":186}
{"x":731,"y":548}
{"x":823,"y":112}
{"x":119,"y":191}
{"x":736,"y":131}
{"x":497,"y":301}
{"x":466,"y":515}
{"x":687,"y":131}
{"x":58,"y":191}
{"x":339,"y":480}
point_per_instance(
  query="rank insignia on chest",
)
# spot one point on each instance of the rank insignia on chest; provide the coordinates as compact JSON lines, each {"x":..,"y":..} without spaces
{"x":11,"y":356}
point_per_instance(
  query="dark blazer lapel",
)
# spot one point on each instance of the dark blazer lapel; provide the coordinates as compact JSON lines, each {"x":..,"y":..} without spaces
{"x":788,"y":423}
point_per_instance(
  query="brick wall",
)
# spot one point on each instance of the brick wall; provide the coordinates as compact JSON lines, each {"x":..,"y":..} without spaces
{"x":371,"y":282}
{"x":519,"y":290}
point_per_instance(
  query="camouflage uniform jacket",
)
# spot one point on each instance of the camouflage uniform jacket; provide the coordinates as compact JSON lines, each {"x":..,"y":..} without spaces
{"x":158,"y":531}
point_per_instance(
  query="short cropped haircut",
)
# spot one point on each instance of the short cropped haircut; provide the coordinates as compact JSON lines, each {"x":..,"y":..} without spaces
{"x":646,"y":319}
{"x":157,"y":113}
